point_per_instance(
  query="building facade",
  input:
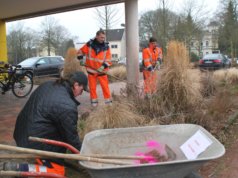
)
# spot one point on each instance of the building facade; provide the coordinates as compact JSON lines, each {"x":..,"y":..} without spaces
{"x":117,"y":42}
{"x":208,"y":43}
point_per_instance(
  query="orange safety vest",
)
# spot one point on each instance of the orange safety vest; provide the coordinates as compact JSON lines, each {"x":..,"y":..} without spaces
{"x":150,"y":56}
{"x":95,"y":60}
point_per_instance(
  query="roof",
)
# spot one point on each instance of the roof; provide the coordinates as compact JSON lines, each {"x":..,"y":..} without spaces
{"x":115,"y":34}
{"x":11,"y":10}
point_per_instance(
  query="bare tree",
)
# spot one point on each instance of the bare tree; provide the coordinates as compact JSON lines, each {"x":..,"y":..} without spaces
{"x":21,"y":42}
{"x":53,"y":36}
{"x":107,"y":16}
{"x":228,"y":35}
{"x":48,"y":33}
{"x":155,"y":23}
{"x":61,"y":36}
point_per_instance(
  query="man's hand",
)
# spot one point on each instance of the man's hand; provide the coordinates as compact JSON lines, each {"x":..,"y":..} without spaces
{"x":100,"y":69}
{"x":160,"y":60}
{"x":81,"y":62}
{"x":157,"y":66}
{"x":150,"y":69}
{"x":80,"y":57}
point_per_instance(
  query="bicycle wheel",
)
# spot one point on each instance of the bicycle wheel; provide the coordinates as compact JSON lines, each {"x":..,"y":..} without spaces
{"x":22,"y":86}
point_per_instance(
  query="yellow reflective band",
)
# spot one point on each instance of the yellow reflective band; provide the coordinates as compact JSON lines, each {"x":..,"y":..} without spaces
{"x":31,"y":168}
{"x":146,"y":60}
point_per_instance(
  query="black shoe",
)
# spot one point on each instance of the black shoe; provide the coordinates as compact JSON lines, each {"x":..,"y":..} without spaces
{"x":10,"y":166}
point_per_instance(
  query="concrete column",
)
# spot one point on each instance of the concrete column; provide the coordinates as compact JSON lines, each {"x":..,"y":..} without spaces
{"x":132,"y":41}
{"x":3,"y":42}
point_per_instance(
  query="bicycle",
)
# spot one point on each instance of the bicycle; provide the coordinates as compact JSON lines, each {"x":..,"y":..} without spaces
{"x":21,"y":84}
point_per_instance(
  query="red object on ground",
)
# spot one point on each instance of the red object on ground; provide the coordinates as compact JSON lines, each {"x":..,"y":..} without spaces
{"x":155,"y":153}
{"x":40,"y":174}
{"x":56,"y":143}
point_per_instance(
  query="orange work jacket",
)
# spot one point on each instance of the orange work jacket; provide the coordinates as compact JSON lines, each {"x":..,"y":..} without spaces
{"x":95,"y":60}
{"x":151,"y":56}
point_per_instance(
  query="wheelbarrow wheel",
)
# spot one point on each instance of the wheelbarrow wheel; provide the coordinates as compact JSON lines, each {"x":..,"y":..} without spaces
{"x":193,"y":175}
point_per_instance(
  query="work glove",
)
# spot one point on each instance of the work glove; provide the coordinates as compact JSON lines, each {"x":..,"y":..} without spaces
{"x":150,"y":69}
{"x":160,"y":60}
{"x":100,"y":69}
{"x":157,"y":65}
{"x":81,"y":62}
{"x":80,"y":57}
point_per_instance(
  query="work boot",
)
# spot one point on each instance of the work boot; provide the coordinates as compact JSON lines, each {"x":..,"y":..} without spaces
{"x":108,"y":102}
{"x":10,"y":166}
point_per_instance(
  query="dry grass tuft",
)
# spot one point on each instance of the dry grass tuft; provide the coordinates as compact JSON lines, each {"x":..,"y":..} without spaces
{"x":208,"y":85}
{"x":71,"y":64}
{"x":121,"y":114}
{"x":220,"y":75}
{"x":176,"y":89}
{"x":117,"y":71}
{"x":228,"y":76}
{"x":232,"y":76}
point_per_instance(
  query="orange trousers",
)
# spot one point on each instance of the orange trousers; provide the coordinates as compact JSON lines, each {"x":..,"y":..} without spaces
{"x":103,"y":80}
{"x":56,"y":168}
{"x":150,"y":81}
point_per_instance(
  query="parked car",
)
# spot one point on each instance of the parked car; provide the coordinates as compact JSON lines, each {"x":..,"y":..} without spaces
{"x":123,"y":61}
{"x":42,"y":66}
{"x":214,"y":61}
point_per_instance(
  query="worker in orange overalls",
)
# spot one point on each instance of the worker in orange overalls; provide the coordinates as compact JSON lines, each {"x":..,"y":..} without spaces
{"x":98,"y":60}
{"x":152,"y":58}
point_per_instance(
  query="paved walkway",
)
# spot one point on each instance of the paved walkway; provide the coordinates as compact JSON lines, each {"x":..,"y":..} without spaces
{"x":10,"y":106}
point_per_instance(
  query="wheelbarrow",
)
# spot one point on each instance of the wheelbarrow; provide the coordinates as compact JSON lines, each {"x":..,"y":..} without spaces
{"x":33,"y":154}
{"x":127,"y":141}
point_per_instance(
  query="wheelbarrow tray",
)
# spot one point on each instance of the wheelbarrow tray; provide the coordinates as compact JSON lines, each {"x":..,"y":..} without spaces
{"x":127,"y":141}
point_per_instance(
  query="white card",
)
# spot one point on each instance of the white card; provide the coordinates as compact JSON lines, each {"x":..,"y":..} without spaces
{"x":195,"y":145}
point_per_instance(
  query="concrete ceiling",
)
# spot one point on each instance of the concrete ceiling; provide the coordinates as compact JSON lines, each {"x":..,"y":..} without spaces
{"x":11,"y":10}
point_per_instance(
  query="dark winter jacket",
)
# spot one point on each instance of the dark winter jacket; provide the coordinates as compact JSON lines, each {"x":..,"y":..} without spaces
{"x":51,"y":112}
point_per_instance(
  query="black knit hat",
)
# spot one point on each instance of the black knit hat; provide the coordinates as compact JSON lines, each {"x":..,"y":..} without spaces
{"x":152,"y":39}
{"x":81,"y":78}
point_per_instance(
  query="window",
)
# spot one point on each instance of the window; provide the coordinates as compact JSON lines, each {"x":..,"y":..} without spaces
{"x":191,"y":43}
{"x":207,"y":43}
{"x":56,"y":60}
{"x":113,"y":46}
{"x":114,"y":56}
{"x":43,"y":61}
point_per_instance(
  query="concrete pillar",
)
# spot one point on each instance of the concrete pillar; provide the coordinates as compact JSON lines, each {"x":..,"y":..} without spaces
{"x":3,"y":42}
{"x":132,"y":41}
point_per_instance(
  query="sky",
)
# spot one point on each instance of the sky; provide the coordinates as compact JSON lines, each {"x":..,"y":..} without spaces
{"x":83,"y":24}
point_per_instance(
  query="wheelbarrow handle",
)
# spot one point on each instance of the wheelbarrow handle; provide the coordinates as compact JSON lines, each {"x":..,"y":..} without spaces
{"x":56,"y":143}
{"x":30,"y":174}
{"x":61,"y":155}
{"x":74,"y":150}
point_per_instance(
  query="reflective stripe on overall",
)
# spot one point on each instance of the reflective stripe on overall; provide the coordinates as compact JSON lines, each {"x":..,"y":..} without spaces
{"x":94,"y":75}
{"x":41,"y":167}
{"x":150,"y":78}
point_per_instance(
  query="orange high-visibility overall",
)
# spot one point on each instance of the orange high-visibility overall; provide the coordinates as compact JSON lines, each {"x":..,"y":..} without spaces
{"x":40,"y":167}
{"x":150,"y":58}
{"x":93,"y":62}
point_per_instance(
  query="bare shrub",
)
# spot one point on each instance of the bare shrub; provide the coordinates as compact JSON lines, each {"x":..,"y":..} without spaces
{"x":220,"y":75}
{"x":232,"y":76}
{"x":117,"y":73}
{"x":208,"y":85}
{"x":120,"y":114}
{"x":227,"y":76}
{"x":212,"y":114}
{"x":71,"y":63}
{"x":175,"y":89}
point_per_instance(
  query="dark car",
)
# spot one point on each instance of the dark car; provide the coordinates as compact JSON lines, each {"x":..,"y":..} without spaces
{"x":42,"y":66}
{"x":123,"y":62}
{"x":214,"y":61}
